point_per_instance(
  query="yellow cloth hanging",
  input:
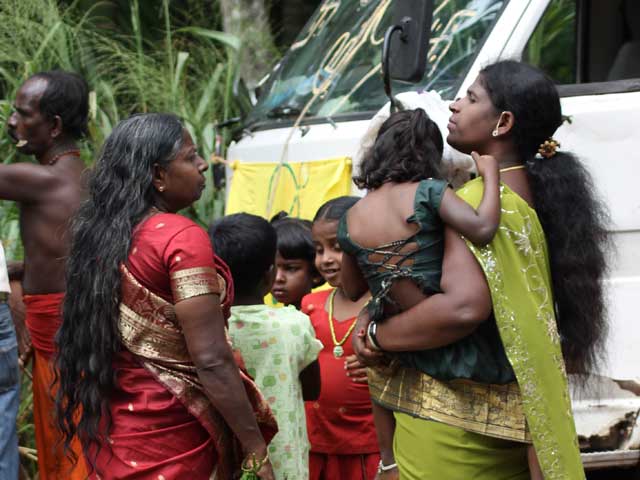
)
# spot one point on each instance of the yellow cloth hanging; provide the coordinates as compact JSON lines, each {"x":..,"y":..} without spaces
{"x":297,"y":188}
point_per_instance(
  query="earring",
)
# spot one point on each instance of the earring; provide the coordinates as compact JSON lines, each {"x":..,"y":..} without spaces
{"x":161,"y":189}
{"x":495,"y":132}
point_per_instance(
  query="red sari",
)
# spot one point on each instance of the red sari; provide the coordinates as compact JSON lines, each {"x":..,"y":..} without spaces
{"x":163,"y":425}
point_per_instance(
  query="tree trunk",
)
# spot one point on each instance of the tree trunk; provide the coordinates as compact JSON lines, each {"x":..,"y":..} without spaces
{"x":249,"y":20}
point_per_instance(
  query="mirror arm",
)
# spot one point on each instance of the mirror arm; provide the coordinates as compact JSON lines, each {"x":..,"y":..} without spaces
{"x":386,"y":50}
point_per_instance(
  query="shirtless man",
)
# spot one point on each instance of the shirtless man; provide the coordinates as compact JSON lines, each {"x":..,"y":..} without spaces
{"x":49,"y":117}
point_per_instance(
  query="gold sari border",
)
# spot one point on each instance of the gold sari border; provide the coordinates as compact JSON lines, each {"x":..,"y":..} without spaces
{"x":193,"y":282}
{"x":149,"y":329}
{"x":491,"y":410}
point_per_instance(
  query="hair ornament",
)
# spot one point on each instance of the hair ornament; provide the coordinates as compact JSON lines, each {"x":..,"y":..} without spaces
{"x":549,"y":148}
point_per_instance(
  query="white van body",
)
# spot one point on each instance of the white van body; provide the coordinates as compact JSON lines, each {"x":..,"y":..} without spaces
{"x":604,"y":133}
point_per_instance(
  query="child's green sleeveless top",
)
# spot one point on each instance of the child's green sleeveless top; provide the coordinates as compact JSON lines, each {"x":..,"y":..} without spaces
{"x":479,"y":356}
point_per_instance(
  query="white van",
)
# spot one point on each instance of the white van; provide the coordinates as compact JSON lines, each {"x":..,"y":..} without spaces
{"x":318,"y":101}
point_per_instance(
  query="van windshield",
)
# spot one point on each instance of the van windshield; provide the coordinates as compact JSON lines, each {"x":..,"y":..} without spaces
{"x":333,"y":67}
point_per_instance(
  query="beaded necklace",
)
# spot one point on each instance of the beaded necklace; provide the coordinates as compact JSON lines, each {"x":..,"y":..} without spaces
{"x":72,"y":151}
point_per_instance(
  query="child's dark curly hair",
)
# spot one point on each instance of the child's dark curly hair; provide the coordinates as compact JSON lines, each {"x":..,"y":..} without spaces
{"x":408,"y":148}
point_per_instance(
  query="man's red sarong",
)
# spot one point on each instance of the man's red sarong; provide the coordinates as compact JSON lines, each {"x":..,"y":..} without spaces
{"x":43,"y":320}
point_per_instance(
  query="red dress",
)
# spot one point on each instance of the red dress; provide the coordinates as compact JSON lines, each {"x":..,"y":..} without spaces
{"x":340,"y":423}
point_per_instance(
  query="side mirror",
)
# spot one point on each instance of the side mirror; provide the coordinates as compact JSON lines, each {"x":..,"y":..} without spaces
{"x":404,"y":56}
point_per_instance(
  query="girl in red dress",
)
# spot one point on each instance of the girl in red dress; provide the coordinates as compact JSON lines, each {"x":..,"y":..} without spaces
{"x":340,"y":423}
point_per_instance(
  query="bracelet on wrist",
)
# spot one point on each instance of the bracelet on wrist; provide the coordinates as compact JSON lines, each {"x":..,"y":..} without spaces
{"x":371,"y":336}
{"x":251,"y":464}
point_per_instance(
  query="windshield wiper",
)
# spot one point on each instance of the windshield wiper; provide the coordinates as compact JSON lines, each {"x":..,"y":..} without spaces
{"x":283,"y":112}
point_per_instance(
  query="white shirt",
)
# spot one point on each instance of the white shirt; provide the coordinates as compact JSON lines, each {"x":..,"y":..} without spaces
{"x":4,"y":277}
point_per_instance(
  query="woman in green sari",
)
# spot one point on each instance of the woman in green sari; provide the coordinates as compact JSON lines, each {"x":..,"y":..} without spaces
{"x":539,"y":282}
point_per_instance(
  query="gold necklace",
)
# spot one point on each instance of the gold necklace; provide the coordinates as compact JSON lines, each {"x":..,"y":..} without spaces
{"x":338,"y":351}
{"x":508,"y":169}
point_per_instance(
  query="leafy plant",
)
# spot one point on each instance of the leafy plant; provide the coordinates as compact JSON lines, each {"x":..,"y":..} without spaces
{"x":557,"y":27}
{"x":190,"y":73}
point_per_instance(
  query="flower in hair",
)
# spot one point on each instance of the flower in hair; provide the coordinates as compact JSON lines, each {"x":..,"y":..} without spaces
{"x":549,"y":148}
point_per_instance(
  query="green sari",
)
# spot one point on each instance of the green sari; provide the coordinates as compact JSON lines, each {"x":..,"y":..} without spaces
{"x":537,"y":408}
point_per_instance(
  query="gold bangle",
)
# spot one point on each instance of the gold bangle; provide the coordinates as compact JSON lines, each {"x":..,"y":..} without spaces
{"x":257,"y":465}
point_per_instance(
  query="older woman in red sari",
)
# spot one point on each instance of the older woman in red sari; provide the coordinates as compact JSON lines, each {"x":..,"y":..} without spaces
{"x":144,"y":354}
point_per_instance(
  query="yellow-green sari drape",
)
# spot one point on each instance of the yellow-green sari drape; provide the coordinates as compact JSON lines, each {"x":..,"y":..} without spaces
{"x":516,"y":264}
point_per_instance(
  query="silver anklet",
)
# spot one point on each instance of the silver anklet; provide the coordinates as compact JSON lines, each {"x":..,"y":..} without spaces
{"x":385,"y":468}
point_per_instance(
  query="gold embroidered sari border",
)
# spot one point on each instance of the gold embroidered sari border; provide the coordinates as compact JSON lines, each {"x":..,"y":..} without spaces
{"x":193,"y":282}
{"x":151,"y":340}
{"x":492,"y":410}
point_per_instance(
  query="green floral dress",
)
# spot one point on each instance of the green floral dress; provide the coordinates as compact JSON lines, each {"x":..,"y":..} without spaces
{"x":276,"y":345}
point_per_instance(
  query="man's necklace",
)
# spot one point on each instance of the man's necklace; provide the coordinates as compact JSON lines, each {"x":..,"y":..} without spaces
{"x":338,"y":350}
{"x":72,"y":151}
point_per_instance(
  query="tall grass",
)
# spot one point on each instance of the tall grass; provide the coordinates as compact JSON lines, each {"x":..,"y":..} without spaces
{"x":190,"y":72}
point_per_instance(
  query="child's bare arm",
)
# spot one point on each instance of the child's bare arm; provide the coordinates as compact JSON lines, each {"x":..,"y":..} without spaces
{"x":353,"y":283}
{"x":310,"y":380}
{"x":480,"y":225}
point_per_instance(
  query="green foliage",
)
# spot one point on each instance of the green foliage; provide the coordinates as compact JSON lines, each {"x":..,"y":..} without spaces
{"x":157,"y":57}
{"x":552,"y":44}
{"x":26,"y":429}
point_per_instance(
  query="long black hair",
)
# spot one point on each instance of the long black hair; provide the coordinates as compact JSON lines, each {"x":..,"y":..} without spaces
{"x":120,"y":195}
{"x":572,"y":217}
{"x":408,"y":148}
